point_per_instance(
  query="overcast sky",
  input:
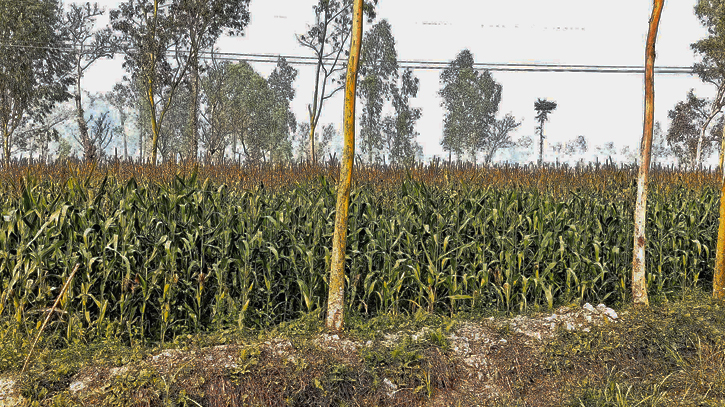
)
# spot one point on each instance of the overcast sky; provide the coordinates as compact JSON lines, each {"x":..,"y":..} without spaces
{"x":601,"y":106}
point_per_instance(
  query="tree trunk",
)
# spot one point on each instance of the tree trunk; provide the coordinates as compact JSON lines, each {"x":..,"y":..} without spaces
{"x":193,"y":124}
{"x":718,"y":281}
{"x":336,"y":296}
{"x":541,"y":144}
{"x":125,"y":142}
{"x":44,"y":150}
{"x":154,"y":138}
{"x":639,"y":279}
{"x":150,"y":91}
{"x":154,"y":123}
{"x":698,"y":152}
{"x":140,"y":146}
{"x":234,"y":147}
{"x":313,"y":157}
{"x":89,"y":150}
{"x":6,"y":145}
{"x":698,"y":155}
{"x":722,"y":155}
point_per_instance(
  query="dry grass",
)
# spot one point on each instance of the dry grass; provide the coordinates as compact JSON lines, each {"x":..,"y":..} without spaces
{"x":672,"y":354}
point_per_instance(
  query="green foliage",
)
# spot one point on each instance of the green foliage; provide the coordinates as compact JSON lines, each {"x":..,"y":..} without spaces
{"x":254,"y":106}
{"x":159,"y":259}
{"x":378,"y":70}
{"x":64,"y":149}
{"x":668,"y":354}
{"x":687,"y":119}
{"x":152,"y":33}
{"x":410,"y":361}
{"x":32,"y":78}
{"x":280,"y":83}
{"x":709,"y":69}
{"x":616,"y":392}
{"x":399,"y":128}
{"x":471,"y":100}
{"x":88,"y":46}
{"x":543,"y":108}
{"x":328,"y":39}
{"x":249,"y":112}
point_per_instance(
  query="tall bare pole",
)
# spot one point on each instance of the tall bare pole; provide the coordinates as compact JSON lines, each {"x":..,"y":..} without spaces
{"x":336,"y":296}
{"x":639,"y":279}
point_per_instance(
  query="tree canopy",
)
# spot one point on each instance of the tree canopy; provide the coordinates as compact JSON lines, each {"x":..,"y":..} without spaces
{"x":379,"y":70}
{"x":687,"y":120}
{"x":328,"y":40}
{"x":399,"y":127}
{"x":89,"y":45}
{"x":471,"y":100}
{"x":34,"y":70}
{"x":151,"y":32}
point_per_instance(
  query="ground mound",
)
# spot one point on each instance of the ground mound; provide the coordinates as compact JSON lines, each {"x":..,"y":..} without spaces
{"x":574,"y":356}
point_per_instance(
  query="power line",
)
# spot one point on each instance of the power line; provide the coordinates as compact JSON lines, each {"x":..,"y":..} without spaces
{"x":417,"y":64}
{"x":440,"y":65}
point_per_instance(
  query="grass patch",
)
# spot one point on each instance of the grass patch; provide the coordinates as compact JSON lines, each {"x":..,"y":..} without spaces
{"x":284,"y":365}
{"x":671,"y":354}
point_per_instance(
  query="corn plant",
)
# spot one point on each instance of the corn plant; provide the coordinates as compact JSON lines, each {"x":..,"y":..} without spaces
{"x":169,"y":250}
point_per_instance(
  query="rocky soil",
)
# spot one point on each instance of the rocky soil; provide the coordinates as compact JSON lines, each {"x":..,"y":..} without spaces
{"x":487,"y":353}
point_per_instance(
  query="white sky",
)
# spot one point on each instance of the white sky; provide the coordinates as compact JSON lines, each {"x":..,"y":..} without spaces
{"x":602,"y":107}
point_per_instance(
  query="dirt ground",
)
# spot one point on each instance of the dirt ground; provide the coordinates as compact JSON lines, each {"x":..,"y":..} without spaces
{"x":491,"y":361}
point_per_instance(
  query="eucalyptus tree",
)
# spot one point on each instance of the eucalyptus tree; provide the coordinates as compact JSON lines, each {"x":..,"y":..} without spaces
{"x":471,"y":100}
{"x":281,"y":85}
{"x":88,"y":46}
{"x":689,"y":120}
{"x":499,"y":136}
{"x":150,"y":32}
{"x":129,"y":98}
{"x":576,"y":146}
{"x":606,"y":151}
{"x":709,"y":74}
{"x":399,"y":128}
{"x":711,"y":68}
{"x":35,"y":136}
{"x":327,"y":39}
{"x":661,"y":150}
{"x":248,"y":92}
{"x":543,"y":107}
{"x":336,"y":293}
{"x":101,"y":128}
{"x":244,"y":109}
{"x":259,"y":116}
{"x":174,"y":142}
{"x":379,"y":71}
{"x":100,"y":132}
{"x":34,"y":67}
{"x":122,"y":99}
{"x":639,"y":278}
{"x":323,"y":146}
{"x":205,"y":21}
{"x":216,"y":124}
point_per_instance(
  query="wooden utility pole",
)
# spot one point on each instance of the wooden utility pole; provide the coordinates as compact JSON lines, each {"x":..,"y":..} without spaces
{"x":639,"y":279}
{"x":336,"y":295}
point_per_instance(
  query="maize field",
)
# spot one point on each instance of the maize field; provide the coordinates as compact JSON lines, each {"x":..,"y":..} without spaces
{"x":168,"y":250}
